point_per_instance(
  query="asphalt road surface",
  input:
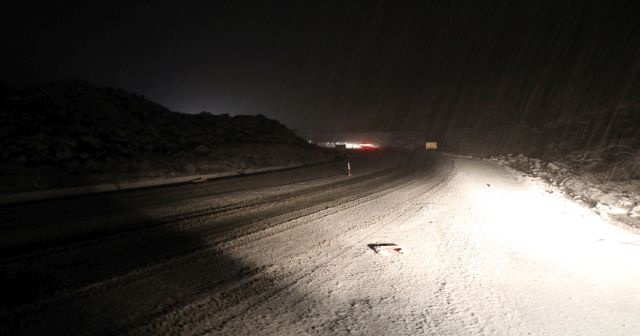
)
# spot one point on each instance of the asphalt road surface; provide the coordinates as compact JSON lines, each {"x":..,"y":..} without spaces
{"x":287,"y":253}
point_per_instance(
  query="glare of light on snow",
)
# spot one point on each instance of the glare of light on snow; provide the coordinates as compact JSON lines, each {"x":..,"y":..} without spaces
{"x":547,"y":227}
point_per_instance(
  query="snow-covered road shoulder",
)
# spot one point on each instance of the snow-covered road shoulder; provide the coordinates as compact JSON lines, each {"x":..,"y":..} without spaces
{"x":616,"y":200}
{"x":529,"y":261}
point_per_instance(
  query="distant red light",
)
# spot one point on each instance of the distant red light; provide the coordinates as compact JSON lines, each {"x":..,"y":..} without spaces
{"x":367,"y":146}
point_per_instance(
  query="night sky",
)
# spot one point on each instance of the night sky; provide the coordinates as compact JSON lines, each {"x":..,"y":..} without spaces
{"x":345,"y":66}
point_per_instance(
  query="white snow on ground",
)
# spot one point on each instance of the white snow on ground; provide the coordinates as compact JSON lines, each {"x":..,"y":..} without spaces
{"x":489,"y":255}
{"x":545,"y":265}
{"x":616,"y":201}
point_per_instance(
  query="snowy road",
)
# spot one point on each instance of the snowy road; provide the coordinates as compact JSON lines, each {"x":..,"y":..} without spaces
{"x":287,"y":253}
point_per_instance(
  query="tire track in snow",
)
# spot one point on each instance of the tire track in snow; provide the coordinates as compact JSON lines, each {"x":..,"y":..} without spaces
{"x":389,"y":217}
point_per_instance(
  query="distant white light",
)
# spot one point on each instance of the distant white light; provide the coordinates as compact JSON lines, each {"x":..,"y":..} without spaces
{"x":360,"y":145}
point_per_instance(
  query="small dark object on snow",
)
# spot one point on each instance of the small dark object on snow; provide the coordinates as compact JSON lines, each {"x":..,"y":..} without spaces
{"x":387,"y":249}
{"x":488,"y":185}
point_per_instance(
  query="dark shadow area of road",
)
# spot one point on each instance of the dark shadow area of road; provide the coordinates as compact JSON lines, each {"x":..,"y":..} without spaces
{"x":111,"y":286}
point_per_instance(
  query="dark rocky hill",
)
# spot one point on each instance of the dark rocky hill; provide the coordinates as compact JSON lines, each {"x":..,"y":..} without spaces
{"x":72,"y":133}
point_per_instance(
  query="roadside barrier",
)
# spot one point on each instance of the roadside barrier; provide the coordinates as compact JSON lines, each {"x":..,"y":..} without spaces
{"x":40,"y":195}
